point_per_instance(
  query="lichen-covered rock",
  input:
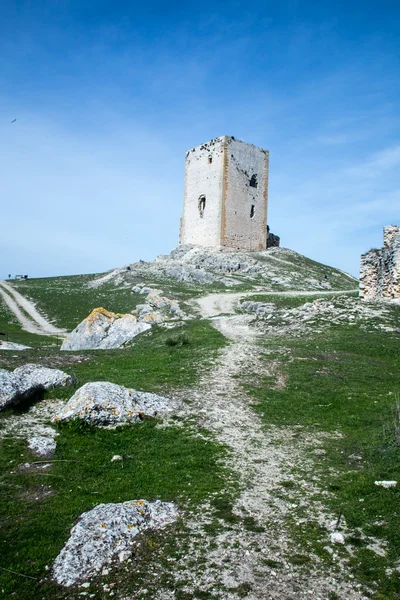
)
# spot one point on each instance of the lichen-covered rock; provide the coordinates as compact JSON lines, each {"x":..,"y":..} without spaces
{"x":13,"y":389}
{"x":44,"y":444}
{"x":103,"y":329}
{"x":260,"y":308}
{"x":107,"y":531}
{"x":104,"y":403}
{"x":36,"y":375}
{"x":157,"y":308}
{"x":28,"y":380}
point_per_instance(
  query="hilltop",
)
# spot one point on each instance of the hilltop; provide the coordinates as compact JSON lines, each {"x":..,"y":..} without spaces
{"x":281,"y":433}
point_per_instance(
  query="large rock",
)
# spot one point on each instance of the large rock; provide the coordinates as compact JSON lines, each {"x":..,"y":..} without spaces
{"x":103,"y":329}
{"x":28,"y":380}
{"x":36,"y":375}
{"x":104,"y":403}
{"x":105,"y":532}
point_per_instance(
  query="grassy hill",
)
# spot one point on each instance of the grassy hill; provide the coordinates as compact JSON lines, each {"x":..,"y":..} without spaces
{"x":323,"y":391}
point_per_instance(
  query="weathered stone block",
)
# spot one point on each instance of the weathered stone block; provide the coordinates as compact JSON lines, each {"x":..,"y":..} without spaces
{"x":380,"y":268}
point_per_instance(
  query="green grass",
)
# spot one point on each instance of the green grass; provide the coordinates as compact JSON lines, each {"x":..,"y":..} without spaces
{"x":14,"y":332}
{"x":150,"y":364}
{"x":66,"y":301}
{"x":293,"y":301}
{"x":170,"y":464}
{"x":347,"y":381}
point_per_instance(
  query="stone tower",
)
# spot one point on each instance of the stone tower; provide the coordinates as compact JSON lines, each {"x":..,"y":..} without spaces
{"x":226,"y":195}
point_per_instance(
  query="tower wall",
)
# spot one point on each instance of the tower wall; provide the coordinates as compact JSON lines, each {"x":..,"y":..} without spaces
{"x":246,"y":197}
{"x":201,"y":223}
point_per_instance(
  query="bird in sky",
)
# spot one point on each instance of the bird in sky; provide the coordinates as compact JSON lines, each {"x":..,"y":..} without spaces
{"x":13,"y":121}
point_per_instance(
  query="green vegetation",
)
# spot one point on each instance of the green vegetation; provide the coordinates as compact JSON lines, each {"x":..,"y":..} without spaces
{"x":174,"y":463}
{"x":345,"y":382}
{"x":294,"y":301}
{"x":151,"y":364}
{"x":14,"y":333}
{"x":39,"y":507}
{"x":66,"y":301}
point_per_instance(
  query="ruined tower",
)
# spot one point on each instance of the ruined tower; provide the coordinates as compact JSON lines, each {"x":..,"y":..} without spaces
{"x":226,"y":195}
{"x":380,"y":268}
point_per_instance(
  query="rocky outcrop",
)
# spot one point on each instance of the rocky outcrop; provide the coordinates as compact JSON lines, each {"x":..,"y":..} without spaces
{"x":106,"y":532}
{"x":103,"y":403}
{"x":28,"y":380}
{"x":157,"y":308}
{"x":103,"y":329}
{"x":380,"y":269}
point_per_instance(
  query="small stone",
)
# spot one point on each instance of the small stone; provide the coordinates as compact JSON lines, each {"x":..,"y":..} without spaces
{"x":124,"y":555}
{"x":116,"y":457}
{"x":386,"y":484}
{"x":85,"y":585}
{"x":337,"y":538}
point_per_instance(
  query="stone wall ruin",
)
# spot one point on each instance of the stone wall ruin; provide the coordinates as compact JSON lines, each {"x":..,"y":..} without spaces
{"x":380,"y":268}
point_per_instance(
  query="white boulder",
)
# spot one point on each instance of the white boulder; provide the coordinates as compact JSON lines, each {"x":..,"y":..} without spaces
{"x":103,"y":329}
{"x":26,"y":381}
{"x":36,"y":375}
{"x":104,"y":403}
{"x":105,"y":532}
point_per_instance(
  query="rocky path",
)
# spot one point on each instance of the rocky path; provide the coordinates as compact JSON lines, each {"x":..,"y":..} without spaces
{"x":257,"y":558}
{"x":226,"y":303}
{"x":26,"y":312}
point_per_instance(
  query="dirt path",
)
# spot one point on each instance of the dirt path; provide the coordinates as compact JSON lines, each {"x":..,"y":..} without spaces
{"x":256,"y":558}
{"x":226,"y":303}
{"x":30,"y":319}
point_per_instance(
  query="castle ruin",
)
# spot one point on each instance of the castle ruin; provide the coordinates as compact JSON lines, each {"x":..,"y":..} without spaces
{"x":226,"y":195}
{"x":380,"y":269}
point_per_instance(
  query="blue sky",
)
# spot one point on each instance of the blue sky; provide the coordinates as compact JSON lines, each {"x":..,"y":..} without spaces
{"x":108,"y":96}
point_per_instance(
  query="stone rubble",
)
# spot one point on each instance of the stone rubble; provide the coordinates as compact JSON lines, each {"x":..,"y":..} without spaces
{"x":320,"y":312}
{"x":103,"y":329}
{"x":278,"y":267}
{"x":105,"y":532}
{"x":157,"y":308}
{"x":108,"y":404}
{"x":26,"y":381}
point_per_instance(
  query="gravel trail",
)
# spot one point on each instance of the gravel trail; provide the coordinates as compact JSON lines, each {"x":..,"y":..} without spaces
{"x":257,"y":558}
{"x":226,"y":303}
{"x":35,"y":323}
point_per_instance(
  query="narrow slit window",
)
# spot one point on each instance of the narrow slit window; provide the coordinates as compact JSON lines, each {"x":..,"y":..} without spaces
{"x":253,"y":181}
{"x":252,"y":211}
{"x":209,"y":159}
{"x":202,"y":205}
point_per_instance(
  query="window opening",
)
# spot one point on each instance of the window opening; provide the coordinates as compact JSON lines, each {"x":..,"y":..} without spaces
{"x":209,"y":159}
{"x":202,"y":205}
{"x":253,"y":181}
{"x":252,"y":211}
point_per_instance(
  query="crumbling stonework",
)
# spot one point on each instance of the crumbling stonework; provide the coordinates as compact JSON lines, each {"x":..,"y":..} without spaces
{"x":273,"y":241}
{"x":380,"y":269}
{"x":226,"y":195}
